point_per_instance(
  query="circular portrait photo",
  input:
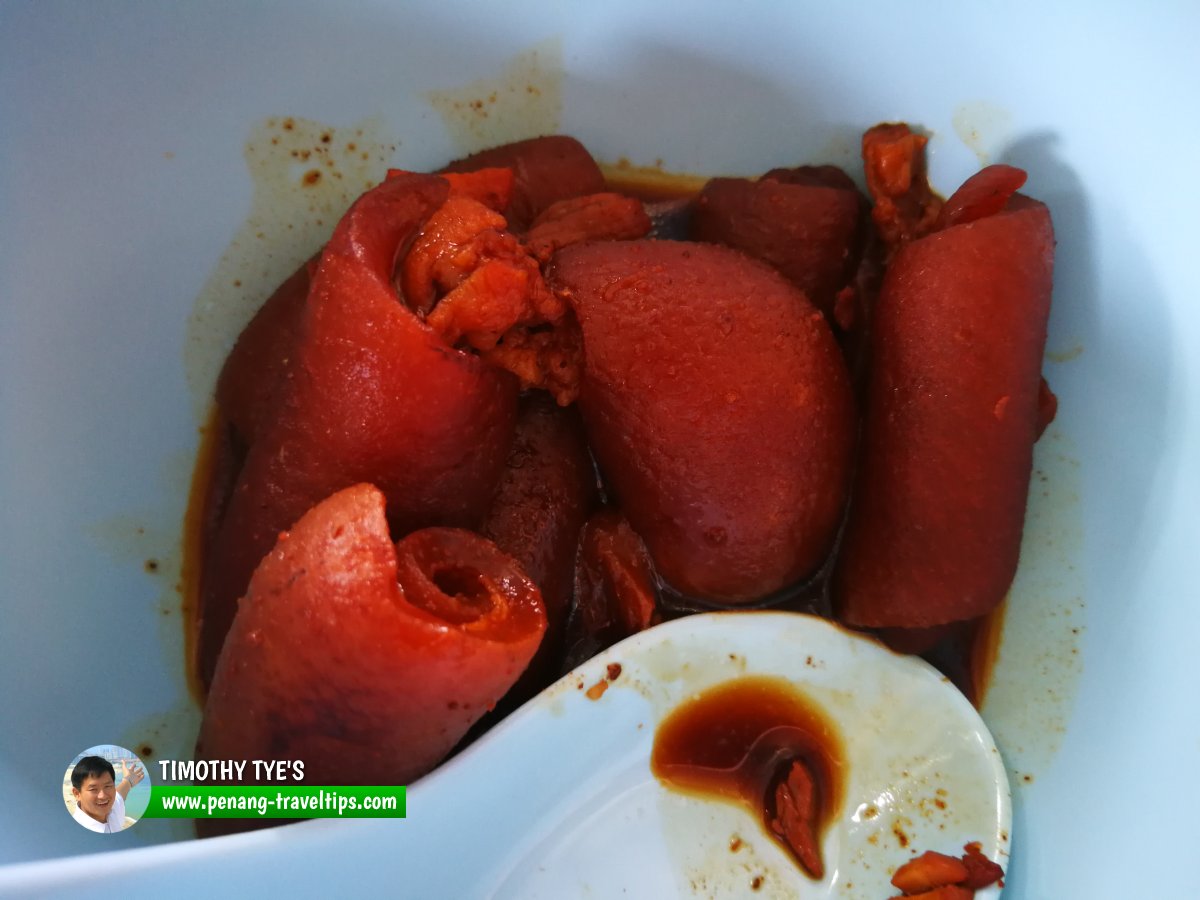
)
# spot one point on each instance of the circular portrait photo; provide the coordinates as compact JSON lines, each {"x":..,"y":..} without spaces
{"x":106,"y":788}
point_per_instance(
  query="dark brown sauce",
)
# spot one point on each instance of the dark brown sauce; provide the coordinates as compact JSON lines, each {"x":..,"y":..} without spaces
{"x":965,"y":652}
{"x":210,"y":457}
{"x":651,"y":184}
{"x":751,"y":741}
{"x":968,"y":654}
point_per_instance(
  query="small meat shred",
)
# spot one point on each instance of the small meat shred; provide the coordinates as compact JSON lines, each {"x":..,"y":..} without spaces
{"x":497,"y":296}
{"x":615,"y":593}
{"x":929,"y":870}
{"x":455,"y":240}
{"x":946,"y":892}
{"x":936,"y":876}
{"x":906,"y":208}
{"x":981,"y":871}
{"x":551,"y":360}
{"x":480,"y":287}
{"x":611,"y":217}
{"x":795,"y":819}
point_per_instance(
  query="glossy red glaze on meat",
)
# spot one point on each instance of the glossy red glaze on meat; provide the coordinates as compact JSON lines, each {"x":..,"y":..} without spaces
{"x":719,"y":409}
{"x":802,"y":225}
{"x":545,"y":494}
{"x":546,"y":169}
{"x":952,"y":414}
{"x":984,"y":194}
{"x":365,"y":659}
{"x":370,"y":394}
{"x":493,"y":187}
{"x":249,"y":380}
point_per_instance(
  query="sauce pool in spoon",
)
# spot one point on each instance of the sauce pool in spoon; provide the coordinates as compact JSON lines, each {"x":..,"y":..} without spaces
{"x":761,"y":743}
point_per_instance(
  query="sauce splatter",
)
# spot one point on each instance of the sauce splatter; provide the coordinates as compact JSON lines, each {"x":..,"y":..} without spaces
{"x":523,"y":100}
{"x":305,"y":175}
{"x":1040,"y":655}
{"x":983,"y":127}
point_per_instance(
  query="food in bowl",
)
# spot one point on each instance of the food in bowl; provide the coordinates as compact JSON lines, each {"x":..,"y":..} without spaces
{"x":406,"y":524}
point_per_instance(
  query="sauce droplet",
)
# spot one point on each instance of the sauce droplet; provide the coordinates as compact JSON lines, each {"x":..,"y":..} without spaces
{"x":761,"y":743}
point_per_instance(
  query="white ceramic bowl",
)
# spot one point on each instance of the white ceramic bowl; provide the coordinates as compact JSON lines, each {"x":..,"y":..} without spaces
{"x":139,"y":182}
